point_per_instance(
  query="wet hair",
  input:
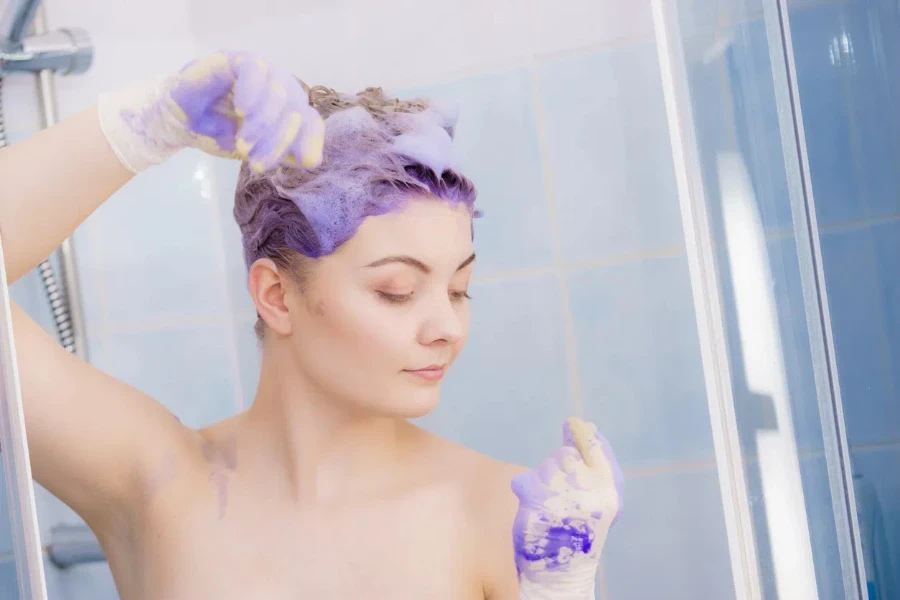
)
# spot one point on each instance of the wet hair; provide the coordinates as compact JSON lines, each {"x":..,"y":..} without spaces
{"x":379,"y":153}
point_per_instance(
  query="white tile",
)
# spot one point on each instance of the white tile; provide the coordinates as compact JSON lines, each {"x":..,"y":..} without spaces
{"x":573,"y":24}
{"x":404,"y":40}
{"x":161,"y":19}
{"x":212,"y":17}
{"x":319,"y":47}
{"x":498,"y":31}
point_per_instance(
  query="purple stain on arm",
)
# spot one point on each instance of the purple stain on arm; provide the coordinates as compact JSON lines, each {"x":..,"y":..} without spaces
{"x":221,"y":453}
{"x":228,"y":453}
{"x":220,"y":480}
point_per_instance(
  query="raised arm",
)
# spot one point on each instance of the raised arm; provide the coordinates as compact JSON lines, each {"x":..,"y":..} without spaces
{"x":94,"y":440}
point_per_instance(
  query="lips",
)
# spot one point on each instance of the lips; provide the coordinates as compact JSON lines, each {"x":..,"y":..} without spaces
{"x":430,"y":373}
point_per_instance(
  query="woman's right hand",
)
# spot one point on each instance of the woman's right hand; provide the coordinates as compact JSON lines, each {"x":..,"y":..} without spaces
{"x":230,"y":104}
{"x":566,"y":508}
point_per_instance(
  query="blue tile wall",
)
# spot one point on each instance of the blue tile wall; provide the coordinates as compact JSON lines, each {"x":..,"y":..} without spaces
{"x":639,"y":360}
{"x":609,"y":155}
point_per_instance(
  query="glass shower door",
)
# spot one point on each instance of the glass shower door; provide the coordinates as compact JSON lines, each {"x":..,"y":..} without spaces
{"x":746,"y":206}
{"x":21,"y":565}
{"x":847,"y":60}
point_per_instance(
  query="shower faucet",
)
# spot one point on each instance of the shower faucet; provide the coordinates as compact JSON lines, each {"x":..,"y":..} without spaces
{"x":63,"y":51}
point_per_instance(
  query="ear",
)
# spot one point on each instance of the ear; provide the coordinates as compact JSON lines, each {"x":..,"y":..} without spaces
{"x":267,"y":287}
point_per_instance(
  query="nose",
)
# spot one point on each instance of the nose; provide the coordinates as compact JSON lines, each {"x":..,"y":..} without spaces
{"x":443,"y":325}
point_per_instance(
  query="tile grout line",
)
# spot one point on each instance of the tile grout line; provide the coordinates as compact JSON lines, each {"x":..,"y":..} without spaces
{"x":526,"y":61}
{"x":558,"y":257}
{"x":230,"y":315}
{"x":162,"y":323}
{"x":861,"y":223}
{"x":559,"y":266}
{"x":686,"y":467}
{"x":875,"y":447}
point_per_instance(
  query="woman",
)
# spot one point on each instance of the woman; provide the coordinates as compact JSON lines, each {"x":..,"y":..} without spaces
{"x":358,"y":267}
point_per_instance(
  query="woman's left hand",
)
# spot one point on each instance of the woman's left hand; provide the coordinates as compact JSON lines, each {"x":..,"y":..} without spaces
{"x":566,"y":508}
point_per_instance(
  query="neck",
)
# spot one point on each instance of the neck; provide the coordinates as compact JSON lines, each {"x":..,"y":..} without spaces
{"x":324,"y":448}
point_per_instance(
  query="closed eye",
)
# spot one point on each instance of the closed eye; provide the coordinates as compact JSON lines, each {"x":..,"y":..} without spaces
{"x":395,"y":298}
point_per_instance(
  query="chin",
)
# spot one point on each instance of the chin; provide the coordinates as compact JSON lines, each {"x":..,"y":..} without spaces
{"x":412,"y":404}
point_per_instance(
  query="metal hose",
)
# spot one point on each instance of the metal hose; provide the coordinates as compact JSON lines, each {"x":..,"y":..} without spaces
{"x":56,"y":292}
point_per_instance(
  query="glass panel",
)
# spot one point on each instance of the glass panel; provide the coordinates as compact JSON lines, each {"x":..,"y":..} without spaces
{"x":21,"y":569}
{"x":847,"y":57}
{"x":746,"y":170}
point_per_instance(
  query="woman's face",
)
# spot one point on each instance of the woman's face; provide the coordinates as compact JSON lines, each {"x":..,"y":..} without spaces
{"x":380,"y":320}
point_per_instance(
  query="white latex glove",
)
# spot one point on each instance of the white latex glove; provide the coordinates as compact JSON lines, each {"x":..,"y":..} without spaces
{"x":229,"y":104}
{"x":566,"y":508}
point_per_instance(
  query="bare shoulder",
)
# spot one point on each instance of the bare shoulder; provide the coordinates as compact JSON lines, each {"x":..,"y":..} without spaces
{"x":490,"y":509}
{"x":485,"y":479}
{"x":493,"y":511}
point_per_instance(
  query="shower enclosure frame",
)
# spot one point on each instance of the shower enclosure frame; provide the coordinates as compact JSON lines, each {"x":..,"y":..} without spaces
{"x":708,"y":307}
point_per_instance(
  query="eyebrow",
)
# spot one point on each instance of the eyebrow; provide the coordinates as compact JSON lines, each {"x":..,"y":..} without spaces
{"x":416,"y":263}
